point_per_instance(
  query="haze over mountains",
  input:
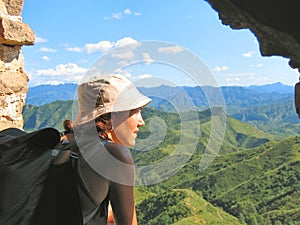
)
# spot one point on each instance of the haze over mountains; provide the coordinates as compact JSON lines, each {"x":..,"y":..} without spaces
{"x":269,"y":107}
{"x":233,"y":95}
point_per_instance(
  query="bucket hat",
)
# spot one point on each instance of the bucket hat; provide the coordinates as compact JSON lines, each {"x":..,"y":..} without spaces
{"x":106,"y":94}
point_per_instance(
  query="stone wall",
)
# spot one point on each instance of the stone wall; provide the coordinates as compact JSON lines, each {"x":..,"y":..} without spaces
{"x":276,"y":24}
{"x":13,"y":80}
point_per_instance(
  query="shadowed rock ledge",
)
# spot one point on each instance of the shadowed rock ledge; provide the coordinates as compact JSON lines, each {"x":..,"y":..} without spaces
{"x":276,"y":24}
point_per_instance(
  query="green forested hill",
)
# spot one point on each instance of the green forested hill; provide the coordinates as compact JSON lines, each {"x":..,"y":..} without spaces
{"x":255,"y":178}
{"x":48,"y":115}
{"x":238,"y":134}
{"x":181,"y":207}
{"x":279,"y":119}
{"x":257,"y":186}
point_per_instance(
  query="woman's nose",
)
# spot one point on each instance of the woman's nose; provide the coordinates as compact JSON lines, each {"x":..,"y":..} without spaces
{"x":141,"y":121}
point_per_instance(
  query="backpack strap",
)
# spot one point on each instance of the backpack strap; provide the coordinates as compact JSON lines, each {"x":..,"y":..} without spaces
{"x":74,"y":157}
{"x":101,"y":208}
{"x":61,"y":152}
{"x":91,"y":215}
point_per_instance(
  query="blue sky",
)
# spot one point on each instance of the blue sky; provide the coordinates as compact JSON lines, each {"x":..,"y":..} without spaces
{"x":72,"y":35}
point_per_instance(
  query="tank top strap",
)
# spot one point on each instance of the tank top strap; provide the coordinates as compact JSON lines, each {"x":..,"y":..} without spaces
{"x":104,"y":141}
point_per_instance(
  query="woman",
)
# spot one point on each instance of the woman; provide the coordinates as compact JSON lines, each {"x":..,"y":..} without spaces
{"x":106,"y":125}
{"x":67,"y":134}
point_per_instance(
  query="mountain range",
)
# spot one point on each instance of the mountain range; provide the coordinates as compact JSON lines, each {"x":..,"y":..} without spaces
{"x":254,"y":179}
{"x":233,"y":95}
{"x":268,"y":107}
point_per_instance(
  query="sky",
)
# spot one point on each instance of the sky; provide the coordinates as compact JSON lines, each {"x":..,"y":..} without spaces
{"x":72,"y":36}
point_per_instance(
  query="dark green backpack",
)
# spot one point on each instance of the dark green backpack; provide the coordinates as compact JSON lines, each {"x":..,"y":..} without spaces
{"x":32,"y":190}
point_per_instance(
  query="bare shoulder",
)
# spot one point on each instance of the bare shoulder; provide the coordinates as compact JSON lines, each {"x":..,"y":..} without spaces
{"x":120,"y":152}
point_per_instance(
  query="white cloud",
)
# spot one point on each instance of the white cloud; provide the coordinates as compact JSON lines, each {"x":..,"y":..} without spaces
{"x":257,"y":65}
{"x":125,"y":54}
{"x":246,"y":79}
{"x":147,"y":58}
{"x":52,"y":82}
{"x":240,"y":74}
{"x":220,"y":68}
{"x":128,"y":75}
{"x":145,"y":76}
{"x":105,"y":46}
{"x":44,"y":49}
{"x":120,"y":15}
{"x":127,"y":11}
{"x":117,"y":15}
{"x":248,"y":54}
{"x":45,"y":58}
{"x":62,"y":73}
{"x":170,"y":50}
{"x":74,"y":49}
{"x":40,"y":40}
{"x":233,"y":81}
{"x":64,"y":70}
{"x":102,"y":46}
{"x":125,"y":41}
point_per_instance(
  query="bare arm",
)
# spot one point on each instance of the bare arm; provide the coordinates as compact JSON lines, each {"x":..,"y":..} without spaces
{"x":122,"y":195}
{"x":122,"y":201}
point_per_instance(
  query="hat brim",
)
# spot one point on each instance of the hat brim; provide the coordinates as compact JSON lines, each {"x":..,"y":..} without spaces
{"x":122,"y":106}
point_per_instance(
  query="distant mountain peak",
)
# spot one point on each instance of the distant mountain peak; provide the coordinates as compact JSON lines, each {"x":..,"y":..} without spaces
{"x":277,"y":87}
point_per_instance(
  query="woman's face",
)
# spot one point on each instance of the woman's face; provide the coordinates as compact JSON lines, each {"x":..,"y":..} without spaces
{"x":126,"y":126}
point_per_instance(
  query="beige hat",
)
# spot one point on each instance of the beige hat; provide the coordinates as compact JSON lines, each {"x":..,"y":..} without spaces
{"x":105,"y":94}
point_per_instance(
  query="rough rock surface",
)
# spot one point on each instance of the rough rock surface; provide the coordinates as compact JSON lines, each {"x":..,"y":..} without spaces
{"x":13,"y":79}
{"x":276,"y":24}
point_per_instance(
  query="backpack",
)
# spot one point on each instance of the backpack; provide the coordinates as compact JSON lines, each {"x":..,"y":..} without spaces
{"x":32,"y":190}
